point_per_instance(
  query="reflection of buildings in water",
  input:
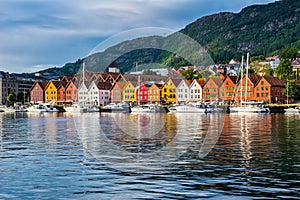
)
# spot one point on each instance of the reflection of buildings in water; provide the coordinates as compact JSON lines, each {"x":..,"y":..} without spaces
{"x":1,"y":128}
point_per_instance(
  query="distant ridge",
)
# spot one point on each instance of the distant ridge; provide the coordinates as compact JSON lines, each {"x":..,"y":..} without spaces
{"x":259,"y":29}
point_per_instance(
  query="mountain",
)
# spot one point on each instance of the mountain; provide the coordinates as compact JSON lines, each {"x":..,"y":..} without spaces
{"x":258,"y":29}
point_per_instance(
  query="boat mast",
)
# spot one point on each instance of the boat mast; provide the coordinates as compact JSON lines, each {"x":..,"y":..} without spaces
{"x":241,"y":83}
{"x":247,"y":65}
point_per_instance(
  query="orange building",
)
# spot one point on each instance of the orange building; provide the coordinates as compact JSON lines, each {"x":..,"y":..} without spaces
{"x":212,"y":89}
{"x":228,"y":88}
{"x":269,"y":89}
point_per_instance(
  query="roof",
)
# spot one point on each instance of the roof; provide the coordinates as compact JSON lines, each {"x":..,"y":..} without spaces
{"x":201,"y":81}
{"x":41,"y":84}
{"x":104,"y":86}
{"x":274,"y":81}
{"x":121,"y":85}
{"x":176,"y":81}
{"x":217,"y":81}
{"x":254,"y":78}
{"x":144,"y":78}
{"x":232,"y":78}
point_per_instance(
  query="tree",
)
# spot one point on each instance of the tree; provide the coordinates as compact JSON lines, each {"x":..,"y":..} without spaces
{"x":268,"y":71}
{"x":289,"y":53}
{"x":292,"y":90}
{"x":190,"y":74}
{"x":11,"y":98}
{"x":284,"y":71}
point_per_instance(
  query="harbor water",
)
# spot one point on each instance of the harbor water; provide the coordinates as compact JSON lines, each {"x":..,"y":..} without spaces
{"x":149,"y":156}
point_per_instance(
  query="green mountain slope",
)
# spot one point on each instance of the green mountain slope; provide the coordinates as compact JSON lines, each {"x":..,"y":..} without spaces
{"x":258,"y":29}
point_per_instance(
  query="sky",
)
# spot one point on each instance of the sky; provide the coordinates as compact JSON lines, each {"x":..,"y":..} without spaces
{"x":38,"y":34}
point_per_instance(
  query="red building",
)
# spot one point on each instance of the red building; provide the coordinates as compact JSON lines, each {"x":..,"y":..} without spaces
{"x":142,"y":94}
{"x":71,"y":92}
{"x":37,"y":93}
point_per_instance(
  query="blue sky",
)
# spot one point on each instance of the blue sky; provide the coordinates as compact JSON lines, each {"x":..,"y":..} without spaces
{"x":37,"y":34}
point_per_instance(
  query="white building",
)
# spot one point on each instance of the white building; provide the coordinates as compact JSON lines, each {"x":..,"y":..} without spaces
{"x":183,"y":91}
{"x":83,"y":94}
{"x":196,"y":90}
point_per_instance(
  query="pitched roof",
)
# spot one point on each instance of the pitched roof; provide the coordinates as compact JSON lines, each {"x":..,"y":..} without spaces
{"x":217,"y":81}
{"x":57,"y":84}
{"x":121,"y":85}
{"x":254,"y":78}
{"x":144,"y":77}
{"x":176,"y":81}
{"x":104,"y":86}
{"x":201,"y":81}
{"x":274,"y":81}
{"x":233,"y":78}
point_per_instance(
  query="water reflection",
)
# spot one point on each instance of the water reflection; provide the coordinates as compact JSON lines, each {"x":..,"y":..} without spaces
{"x":100,"y":156}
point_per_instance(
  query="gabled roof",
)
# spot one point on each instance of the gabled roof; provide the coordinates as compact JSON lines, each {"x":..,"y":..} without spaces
{"x":41,"y":84}
{"x":254,"y":78}
{"x":104,"y":86}
{"x":217,"y":81}
{"x":201,"y":82}
{"x":121,"y":85}
{"x":232,"y":78}
{"x":144,"y":78}
{"x":274,"y":81}
{"x":176,"y":81}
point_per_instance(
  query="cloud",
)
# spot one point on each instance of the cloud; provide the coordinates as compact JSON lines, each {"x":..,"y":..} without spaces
{"x":54,"y":32}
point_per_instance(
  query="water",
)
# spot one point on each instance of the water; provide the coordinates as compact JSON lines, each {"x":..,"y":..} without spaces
{"x":150,"y":156}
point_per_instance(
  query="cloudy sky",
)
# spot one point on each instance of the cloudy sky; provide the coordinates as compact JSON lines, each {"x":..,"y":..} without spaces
{"x":37,"y":34}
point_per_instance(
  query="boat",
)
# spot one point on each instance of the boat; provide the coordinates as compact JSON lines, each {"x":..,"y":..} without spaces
{"x":292,"y":110}
{"x":92,"y":109}
{"x":189,"y":108}
{"x":37,"y":108}
{"x":76,"y":108}
{"x":116,"y":107}
{"x":148,"y":108}
{"x":50,"y":108}
{"x":248,"y":106}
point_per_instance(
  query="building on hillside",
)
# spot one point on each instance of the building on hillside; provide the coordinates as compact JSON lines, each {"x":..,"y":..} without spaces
{"x":196,"y":90}
{"x":212,"y":89}
{"x":37,"y":92}
{"x":269,"y":89}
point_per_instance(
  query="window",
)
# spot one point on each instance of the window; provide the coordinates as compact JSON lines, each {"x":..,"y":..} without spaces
{"x":257,"y":94}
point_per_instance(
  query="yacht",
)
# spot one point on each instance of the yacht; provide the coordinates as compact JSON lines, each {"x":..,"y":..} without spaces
{"x":292,"y":110}
{"x":147,"y":108}
{"x":116,"y":107}
{"x":76,"y":108}
{"x":37,"y":108}
{"x":188,"y":109}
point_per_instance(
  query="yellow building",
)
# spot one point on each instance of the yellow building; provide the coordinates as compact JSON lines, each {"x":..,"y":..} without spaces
{"x":51,"y":93}
{"x":169,"y":90}
{"x":129,"y":92}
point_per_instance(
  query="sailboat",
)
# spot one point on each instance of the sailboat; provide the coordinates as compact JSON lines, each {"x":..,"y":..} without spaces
{"x":245,"y":105}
